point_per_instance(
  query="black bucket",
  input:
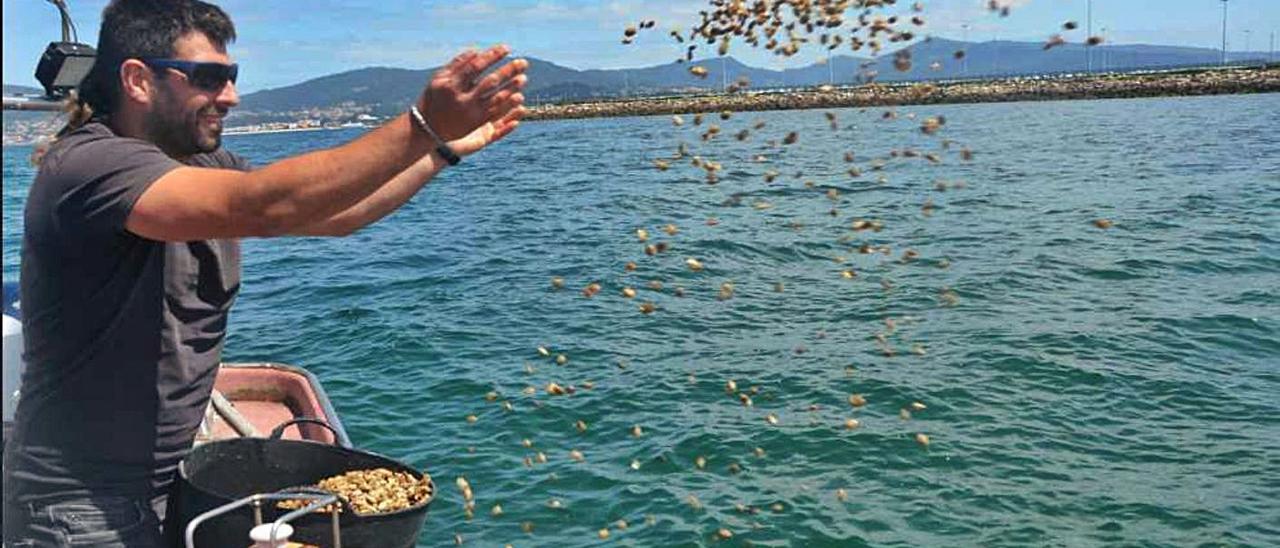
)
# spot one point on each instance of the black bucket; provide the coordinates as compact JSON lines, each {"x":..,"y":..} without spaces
{"x":223,"y":471}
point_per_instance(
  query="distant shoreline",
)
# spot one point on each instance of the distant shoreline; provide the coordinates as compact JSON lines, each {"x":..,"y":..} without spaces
{"x":236,"y":131}
{"x":1081,"y":87}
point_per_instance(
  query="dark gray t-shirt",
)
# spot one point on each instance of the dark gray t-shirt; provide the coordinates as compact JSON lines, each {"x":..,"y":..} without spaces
{"x":123,"y":334}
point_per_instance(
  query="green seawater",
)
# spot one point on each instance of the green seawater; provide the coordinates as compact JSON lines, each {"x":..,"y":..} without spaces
{"x":1088,"y":387}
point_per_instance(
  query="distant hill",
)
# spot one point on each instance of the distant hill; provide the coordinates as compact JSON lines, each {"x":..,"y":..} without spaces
{"x":384,"y":91}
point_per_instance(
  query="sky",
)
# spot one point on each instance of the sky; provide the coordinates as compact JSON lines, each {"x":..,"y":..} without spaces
{"x":284,"y":42}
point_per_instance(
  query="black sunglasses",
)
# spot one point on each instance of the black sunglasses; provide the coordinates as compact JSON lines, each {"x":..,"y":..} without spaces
{"x":206,"y":76}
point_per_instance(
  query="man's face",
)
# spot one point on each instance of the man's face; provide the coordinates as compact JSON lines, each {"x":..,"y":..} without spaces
{"x":184,"y":118}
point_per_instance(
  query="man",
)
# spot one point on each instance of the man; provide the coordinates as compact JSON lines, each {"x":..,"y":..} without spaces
{"x":131,"y":259}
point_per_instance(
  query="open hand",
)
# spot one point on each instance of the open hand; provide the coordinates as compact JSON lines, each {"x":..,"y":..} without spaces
{"x":458,"y":102}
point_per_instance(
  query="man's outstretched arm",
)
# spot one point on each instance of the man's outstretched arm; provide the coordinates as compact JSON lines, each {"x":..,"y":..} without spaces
{"x":190,"y":203}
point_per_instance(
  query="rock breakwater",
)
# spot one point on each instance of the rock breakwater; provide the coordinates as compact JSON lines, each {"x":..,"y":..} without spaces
{"x":1107,"y":86}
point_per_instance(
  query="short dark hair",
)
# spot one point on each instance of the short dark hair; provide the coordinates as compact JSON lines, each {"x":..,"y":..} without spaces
{"x":146,"y":28}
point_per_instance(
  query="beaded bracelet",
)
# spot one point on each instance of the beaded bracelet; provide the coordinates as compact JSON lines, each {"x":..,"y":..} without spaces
{"x":441,"y":147}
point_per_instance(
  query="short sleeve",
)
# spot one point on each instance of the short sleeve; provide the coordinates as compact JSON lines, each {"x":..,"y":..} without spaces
{"x":96,"y":181}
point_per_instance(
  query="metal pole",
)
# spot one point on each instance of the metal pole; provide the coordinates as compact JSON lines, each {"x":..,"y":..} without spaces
{"x":1088,"y":52}
{"x":724,"y":75}
{"x":1272,"y":56}
{"x":1224,"y":32}
{"x":1247,"y":35}
{"x":965,"y":63}
{"x":831,"y":70}
{"x":995,"y":43}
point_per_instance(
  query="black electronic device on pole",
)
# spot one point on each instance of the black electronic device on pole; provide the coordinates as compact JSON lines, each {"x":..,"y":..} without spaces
{"x":66,"y":62}
{"x":60,"y":69}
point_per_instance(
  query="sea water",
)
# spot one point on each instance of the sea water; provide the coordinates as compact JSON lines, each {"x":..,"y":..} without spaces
{"x":1082,"y":386}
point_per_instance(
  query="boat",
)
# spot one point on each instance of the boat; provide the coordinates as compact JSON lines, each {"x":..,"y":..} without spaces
{"x":250,"y":399}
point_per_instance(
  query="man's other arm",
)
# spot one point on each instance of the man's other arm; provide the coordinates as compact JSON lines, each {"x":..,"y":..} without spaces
{"x":405,"y":184}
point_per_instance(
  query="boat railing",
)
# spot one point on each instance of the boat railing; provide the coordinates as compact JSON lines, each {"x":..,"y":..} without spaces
{"x":320,"y":500}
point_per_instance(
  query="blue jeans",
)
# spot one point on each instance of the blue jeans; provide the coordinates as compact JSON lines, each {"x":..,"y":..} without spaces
{"x":110,"y":521}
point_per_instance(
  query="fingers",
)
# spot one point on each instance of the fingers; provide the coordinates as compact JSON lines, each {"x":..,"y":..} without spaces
{"x":475,"y":66}
{"x":501,"y":107}
{"x":502,"y":77}
{"x":460,"y":60}
{"x":506,"y":125}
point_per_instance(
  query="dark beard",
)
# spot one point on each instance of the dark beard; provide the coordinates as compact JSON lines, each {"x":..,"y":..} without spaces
{"x":178,"y":133}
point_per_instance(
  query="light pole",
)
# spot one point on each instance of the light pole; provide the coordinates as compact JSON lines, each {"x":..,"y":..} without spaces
{"x":1224,"y":32}
{"x":1247,"y":34}
{"x":1088,"y":52}
{"x":1105,"y":54}
{"x":995,"y":44}
{"x":724,"y":75}
{"x":964,"y":67}
{"x":1271,"y":56}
